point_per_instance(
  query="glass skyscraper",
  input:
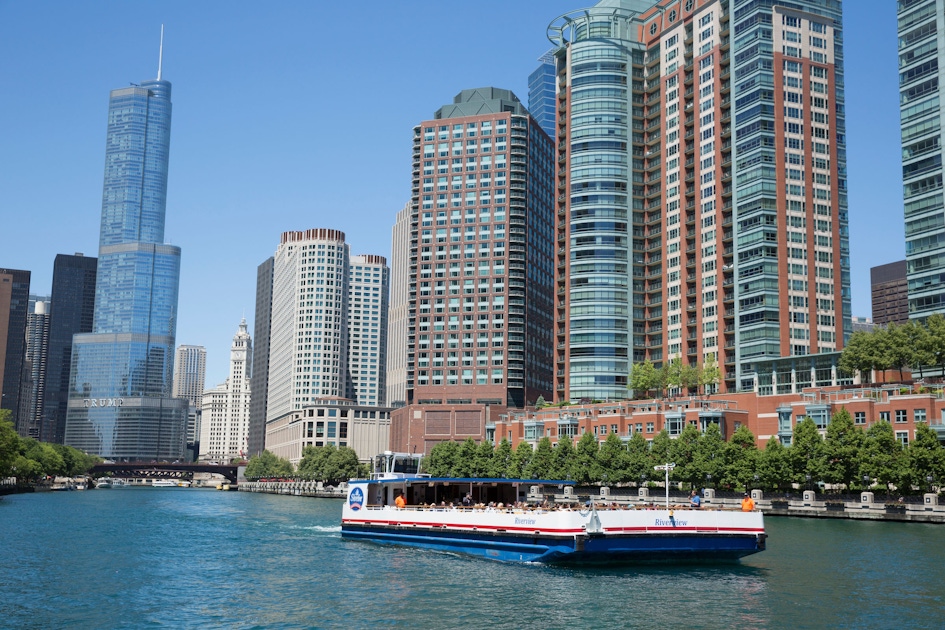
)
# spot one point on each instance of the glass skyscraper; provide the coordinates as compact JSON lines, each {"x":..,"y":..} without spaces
{"x":120,"y":389}
{"x":541,"y":94}
{"x":921,"y":59}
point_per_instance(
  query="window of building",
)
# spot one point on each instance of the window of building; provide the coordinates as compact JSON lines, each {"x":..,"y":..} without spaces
{"x":859,"y":417}
{"x":900,"y":415}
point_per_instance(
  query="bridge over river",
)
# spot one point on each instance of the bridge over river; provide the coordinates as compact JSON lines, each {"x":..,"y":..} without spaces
{"x":163,"y":470}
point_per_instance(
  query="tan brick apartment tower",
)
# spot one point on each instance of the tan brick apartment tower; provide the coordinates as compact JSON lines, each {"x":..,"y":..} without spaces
{"x":480,"y":272}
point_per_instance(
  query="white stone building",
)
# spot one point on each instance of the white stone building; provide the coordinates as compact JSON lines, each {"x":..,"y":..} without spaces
{"x":330,"y":421}
{"x":308,"y":335}
{"x":225,"y":409}
{"x":398,"y":318}
{"x":368,"y":278}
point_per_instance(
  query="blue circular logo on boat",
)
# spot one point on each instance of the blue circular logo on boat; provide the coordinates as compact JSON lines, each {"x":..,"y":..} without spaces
{"x":356,"y":499}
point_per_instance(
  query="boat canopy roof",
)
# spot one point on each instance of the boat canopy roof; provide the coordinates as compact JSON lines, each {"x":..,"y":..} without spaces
{"x":466,"y":480}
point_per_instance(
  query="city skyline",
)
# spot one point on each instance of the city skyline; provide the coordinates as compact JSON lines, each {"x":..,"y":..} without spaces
{"x":275,"y":164}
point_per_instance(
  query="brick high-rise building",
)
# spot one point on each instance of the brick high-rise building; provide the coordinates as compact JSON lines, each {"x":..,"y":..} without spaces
{"x":665,"y":253}
{"x":480,"y":276}
{"x":889,"y":291}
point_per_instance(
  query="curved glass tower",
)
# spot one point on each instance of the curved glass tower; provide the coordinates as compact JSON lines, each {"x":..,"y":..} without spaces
{"x":600,"y":188}
{"x":120,"y":387}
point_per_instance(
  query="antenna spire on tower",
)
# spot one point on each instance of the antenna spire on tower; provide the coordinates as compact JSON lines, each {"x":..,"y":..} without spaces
{"x":161,"y":53}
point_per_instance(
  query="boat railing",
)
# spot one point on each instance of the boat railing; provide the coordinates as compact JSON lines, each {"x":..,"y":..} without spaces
{"x":600,"y":507}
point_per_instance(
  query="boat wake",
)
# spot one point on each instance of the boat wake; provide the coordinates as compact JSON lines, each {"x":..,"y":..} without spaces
{"x":319,"y":528}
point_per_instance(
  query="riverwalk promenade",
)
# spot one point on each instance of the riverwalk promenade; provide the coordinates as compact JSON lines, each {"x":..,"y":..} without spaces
{"x":807,"y":504}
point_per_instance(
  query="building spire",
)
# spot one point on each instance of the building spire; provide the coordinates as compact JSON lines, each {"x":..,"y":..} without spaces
{"x":161,"y":53}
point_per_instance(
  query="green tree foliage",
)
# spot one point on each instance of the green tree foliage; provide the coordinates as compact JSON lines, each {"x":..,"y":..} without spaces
{"x":585,"y":468}
{"x":28,"y":459}
{"x":740,"y":460}
{"x":711,"y":374}
{"x":521,"y":458}
{"x":660,"y":452}
{"x":841,"y":449}
{"x":266,"y":464}
{"x":49,"y":460}
{"x":502,"y":460}
{"x":565,"y":459}
{"x":644,"y":377}
{"x":25,"y":468}
{"x":483,"y":460}
{"x":9,"y":444}
{"x":807,"y":452}
{"x":934,"y":349}
{"x":682,"y":452}
{"x":465,"y":459}
{"x":774,"y":466}
{"x":541,"y":464}
{"x":329,"y":464}
{"x":925,"y":456}
{"x":442,"y":459}
{"x":613,"y":460}
{"x":674,"y":372}
{"x":882,"y":456}
{"x":709,"y":455}
{"x":690,"y":377}
{"x":895,"y":347}
{"x":859,"y":355}
{"x":638,"y":458}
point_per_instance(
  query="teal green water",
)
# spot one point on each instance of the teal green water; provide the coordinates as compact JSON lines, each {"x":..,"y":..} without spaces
{"x":188,"y":558}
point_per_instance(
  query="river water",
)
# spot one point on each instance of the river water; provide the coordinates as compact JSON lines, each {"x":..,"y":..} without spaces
{"x":191,"y":558}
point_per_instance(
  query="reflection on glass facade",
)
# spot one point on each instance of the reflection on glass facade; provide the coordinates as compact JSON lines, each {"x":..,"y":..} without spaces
{"x":541,"y":94}
{"x":120,"y":388}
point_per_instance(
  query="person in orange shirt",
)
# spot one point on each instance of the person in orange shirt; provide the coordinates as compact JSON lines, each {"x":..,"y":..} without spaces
{"x":400,"y":502}
{"x":748,"y":505}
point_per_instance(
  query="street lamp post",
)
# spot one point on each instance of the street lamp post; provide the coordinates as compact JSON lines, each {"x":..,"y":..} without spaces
{"x":666,"y":467}
{"x":708,"y":480}
{"x":866,"y":482}
{"x":930,"y":479}
{"x":808,"y":481}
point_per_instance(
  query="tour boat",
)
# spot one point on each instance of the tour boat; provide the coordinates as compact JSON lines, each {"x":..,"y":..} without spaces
{"x":527,"y":520}
{"x":163,"y":483}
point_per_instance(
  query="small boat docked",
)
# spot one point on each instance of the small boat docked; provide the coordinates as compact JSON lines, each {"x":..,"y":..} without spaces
{"x":520,"y":520}
{"x":103,"y":484}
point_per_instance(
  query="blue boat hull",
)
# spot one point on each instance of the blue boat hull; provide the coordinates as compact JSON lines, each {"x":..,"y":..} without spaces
{"x":590,"y":549}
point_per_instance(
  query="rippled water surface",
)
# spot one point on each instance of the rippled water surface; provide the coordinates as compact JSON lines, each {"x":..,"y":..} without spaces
{"x":189,"y":558}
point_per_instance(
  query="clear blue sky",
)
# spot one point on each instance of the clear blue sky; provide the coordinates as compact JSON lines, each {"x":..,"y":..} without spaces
{"x":298,"y":114}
